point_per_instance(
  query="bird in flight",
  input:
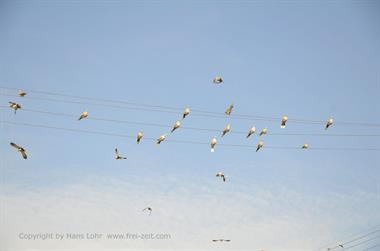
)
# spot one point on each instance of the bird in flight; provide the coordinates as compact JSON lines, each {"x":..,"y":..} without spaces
{"x":226,"y":130}
{"x":229,"y":110}
{"x":305,"y":146}
{"x":218,"y":80}
{"x":220,"y":174}
{"x":148,"y":209}
{"x":20,"y":149}
{"x":329,"y":123}
{"x":283,"y":121}
{"x":161,"y":138}
{"x":213,"y":144}
{"x":186,"y":112}
{"x":118,"y":156}
{"x":251,"y":131}
{"x":140,"y":134}
{"x":83,"y":115}
{"x":260,"y":145}
{"x":264,"y":131}
{"x":14,"y":106}
{"x":176,"y":126}
{"x":221,"y":240}
{"x":21,"y":93}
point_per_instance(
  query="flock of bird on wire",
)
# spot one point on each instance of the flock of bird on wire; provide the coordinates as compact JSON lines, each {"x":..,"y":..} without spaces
{"x":217,"y":80}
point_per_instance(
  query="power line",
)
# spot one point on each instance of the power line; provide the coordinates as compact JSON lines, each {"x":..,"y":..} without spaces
{"x":191,"y":128}
{"x":362,"y":242}
{"x":371,"y":247}
{"x":354,"y":239}
{"x":179,"y":141}
{"x":169,"y":109}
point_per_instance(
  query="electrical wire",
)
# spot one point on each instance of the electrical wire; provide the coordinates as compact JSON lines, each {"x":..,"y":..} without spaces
{"x":181,"y":141}
{"x":169,"y":109}
{"x":190,"y":128}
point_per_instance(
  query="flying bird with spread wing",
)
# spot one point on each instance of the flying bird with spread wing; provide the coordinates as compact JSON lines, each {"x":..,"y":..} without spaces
{"x":21,"y":93}
{"x":220,"y":174}
{"x":176,"y":126}
{"x":329,"y":123}
{"x":83,"y":115}
{"x":264,"y":131}
{"x":213,"y":144}
{"x":283,"y":121}
{"x":218,"y":80}
{"x":14,"y":106}
{"x":226,"y":130}
{"x":140,"y":135}
{"x":221,"y":240}
{"x":251,"y":131}
{"x":161,"y":138}
{"x":148,"y":209}
{"x":118,"y":156}
{"x":20,"y":149}
{"x":229,"y":110}
{"x":186,"y":112}
{"x":259,"y":145}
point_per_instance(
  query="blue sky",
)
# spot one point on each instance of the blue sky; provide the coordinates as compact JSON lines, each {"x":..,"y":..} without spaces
{"x":308,"y":60}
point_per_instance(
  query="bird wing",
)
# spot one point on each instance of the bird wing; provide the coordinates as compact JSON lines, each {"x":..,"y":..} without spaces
{"x":23,"y":153}
{"x":116,"y":151}
{"x":14,"y":145}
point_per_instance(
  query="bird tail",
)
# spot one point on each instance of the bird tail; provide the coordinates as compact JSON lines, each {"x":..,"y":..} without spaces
{"x":212,"y":150}
{"x":282,"y":126}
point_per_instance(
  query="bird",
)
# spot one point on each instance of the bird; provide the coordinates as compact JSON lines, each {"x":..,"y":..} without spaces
{"x":148,"y":209}
{"x":213,"y":144}
{"x":83,"y":115}
{"x":220,"y":174}
{"x":176,"y":126}
{"x":329,"y":123}
{"x":260,"y":145}
{"x":226,"y":130}
{"x":118,"y":156}
{"x":221,"y":240}
{"x":20,"y":149}
{"x":305,"y":146}
{"x":264,"y":131}
{"x":140,"y":134}
{"x":161,"y":138}
{"x":14,"y":106}
{"x":186,"y":112}
{"x":218,"y":80}
{"x":229,"y":109}
{"x":283,"y":121}
{"x":341,"y":245}
{"x":251,"y":131}
{"x":21,"y":93}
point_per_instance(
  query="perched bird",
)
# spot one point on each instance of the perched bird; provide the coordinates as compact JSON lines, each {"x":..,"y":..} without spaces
{"x":264,"y":131}
{"x":118,"y":156}
{"x":305,"y":146}
{"x":329,"y":123}
{"x":21,"y":93}
{"x":14,"y":106}
{"x":226,"y":130}
{"x":218,"y":80}
{"x":83,"y":115}
{"x":220,"y":174}
{"x":186,"y":112}
{"x":20,"y":149}
{"x":176,"y":126}
{"x":260,"y":145}
{"x":149,"y":209}
{"x":221,"y":240}
{"x":251,"y":131}
{"x":229,"y":110}
{"x":213,"y":144}
{"x":283,"y":121}
{"x":139,"y":136}
{"x":161,"y":138}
